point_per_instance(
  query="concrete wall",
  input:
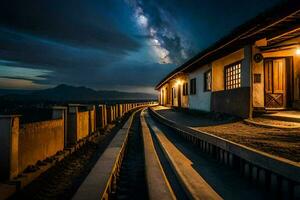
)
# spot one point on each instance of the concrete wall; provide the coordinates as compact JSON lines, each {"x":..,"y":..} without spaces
{"x":24,"y":145}
{"x":9,"y":147}
{"x":72,"y":125}
{"x":40,"y":140}
{"x":82,"y":125}
{"x":92,"y":119}
{"x":218,"y":69}
{"x":234,"y":102}
{"x":201,"y":100}
{"x":61,"y":112}
{"x":258,"y":88}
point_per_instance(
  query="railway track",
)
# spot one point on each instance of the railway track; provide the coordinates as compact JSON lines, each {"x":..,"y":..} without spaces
{"x":131,"y":181}
{"x":153,"y":162}
{"x":146,"y":159}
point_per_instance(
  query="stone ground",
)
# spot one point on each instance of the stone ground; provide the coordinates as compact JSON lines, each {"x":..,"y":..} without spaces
{"x":280,"y":142}
{"x":276,"y":122}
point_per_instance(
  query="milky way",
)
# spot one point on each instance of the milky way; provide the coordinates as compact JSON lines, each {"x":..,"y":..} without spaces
{"x":165,"y":41}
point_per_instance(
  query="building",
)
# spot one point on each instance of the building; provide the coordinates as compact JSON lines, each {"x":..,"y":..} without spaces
{"x":255,"y":68}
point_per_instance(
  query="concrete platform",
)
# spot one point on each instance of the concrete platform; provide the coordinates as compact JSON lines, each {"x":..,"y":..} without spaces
{"x":98,"y":184}
{"x":193,"y":183}
{"x":157,"y":182}
{"x":272,"y":123}
{"x":289,"y":116}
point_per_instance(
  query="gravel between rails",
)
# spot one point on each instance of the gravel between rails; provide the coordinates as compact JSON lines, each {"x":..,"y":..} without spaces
{"x":131,"y":182}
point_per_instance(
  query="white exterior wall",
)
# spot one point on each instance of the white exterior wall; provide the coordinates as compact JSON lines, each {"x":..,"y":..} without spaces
{"x":200,"y":100}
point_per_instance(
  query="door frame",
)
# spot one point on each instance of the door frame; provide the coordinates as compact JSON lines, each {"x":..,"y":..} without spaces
{"x":289,"y":83}
{"x":172,"y":96}
{"x":179,"y":96}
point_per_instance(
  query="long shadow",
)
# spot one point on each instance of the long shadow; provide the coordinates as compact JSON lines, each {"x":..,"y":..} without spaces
{"x":197,"y":119}
{"x":226,"y":181}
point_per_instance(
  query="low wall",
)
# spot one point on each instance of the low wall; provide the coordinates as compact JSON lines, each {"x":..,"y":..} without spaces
{"x":82,"y":125}
{"x":92,"y":120}
{"x":39,"y":140}
{"x":235,"y":102}
{"x":278,"y":175}
{"x":101,"y":116}
{"x":110,"y":114}
{"x":24,"y":145}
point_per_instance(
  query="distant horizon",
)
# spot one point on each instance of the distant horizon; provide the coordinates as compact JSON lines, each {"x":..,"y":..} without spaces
{"x":77,"y":86}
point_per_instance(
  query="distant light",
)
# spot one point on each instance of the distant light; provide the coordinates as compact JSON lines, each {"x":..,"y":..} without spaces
{"x":298,"y":51}
{"x":178,"y":82}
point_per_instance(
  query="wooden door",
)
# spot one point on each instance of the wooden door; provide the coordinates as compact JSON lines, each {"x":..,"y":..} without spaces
{"x":162,"y":97}
{"x":172,"y":96}
{"x":179,"y":95}
{"x":275,"y":83}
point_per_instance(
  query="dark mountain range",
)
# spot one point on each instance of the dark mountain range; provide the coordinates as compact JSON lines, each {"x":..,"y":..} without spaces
{"x":70,"y":93}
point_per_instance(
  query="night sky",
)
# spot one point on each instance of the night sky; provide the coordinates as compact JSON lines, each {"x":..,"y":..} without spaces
{"x":126,"y":45}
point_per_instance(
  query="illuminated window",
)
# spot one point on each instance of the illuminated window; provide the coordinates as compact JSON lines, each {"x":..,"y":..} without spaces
{"x":207,"y":81}
{"x":185,"y":89}
{"x":193,"y":86}
{"x":233,"y":76}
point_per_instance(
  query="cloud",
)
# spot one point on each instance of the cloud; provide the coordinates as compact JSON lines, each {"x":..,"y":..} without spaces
{"x":72,"y":22}
{"x":35,"y":52}
{"x":38,"y":62}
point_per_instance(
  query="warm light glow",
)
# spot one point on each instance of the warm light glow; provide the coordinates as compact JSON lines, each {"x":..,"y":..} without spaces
{"x":298,"y":51}
{"x":178,"y":82}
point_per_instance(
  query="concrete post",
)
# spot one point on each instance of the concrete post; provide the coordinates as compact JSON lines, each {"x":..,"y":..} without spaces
{"x":231,"y":160}
{"x":9,"y":146}
{"x":120,"y":110}
{"x":126,"y":107}
{"x":109,"y":114}
{"x":274,"y":183}
{"x":254,"y":173}
{"x":92,"y":119}
{"x":102,"y":119}
{"x":117,"y":111}
{"x":247,"y":170}
{"x":72,"y":124}
{"x":60,"y":112}
{"x":262,"y":177}
{"x":113,"y":113}
{"x":226,"y":160}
